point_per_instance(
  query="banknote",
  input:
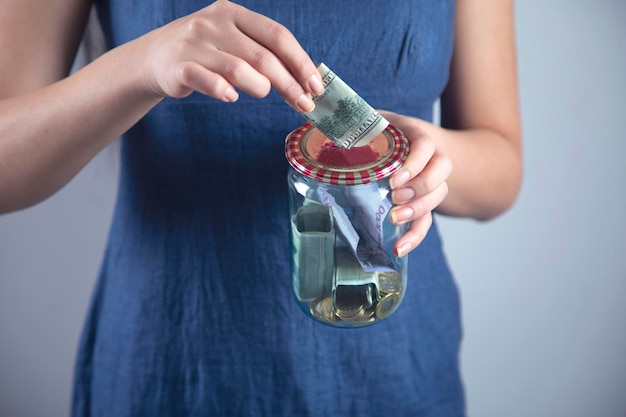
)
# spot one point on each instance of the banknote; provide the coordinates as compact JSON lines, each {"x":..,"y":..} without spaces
{"x":361,"y":227}
{"x":313,"y":237}
{"x":342,"y":115}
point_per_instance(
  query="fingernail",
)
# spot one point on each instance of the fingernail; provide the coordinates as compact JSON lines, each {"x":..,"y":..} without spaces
{"x":400,"y":178}
{"x":304,"y":103}
{"x":402,"y":195}
{"x":315,"y":85}
{"x":231,"y":95}
{"x":403,"y":249}
{"x":401,"y":215}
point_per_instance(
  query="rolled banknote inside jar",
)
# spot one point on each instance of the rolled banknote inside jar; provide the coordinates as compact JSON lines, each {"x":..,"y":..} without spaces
{"x":342,"y":115}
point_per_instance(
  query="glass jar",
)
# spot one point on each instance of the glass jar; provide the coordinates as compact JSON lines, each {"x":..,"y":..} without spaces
{"x":343,"y":267}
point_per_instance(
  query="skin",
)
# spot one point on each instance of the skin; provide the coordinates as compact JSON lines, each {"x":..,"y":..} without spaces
{"x":479,"y":143}
{"x":52,"y":124}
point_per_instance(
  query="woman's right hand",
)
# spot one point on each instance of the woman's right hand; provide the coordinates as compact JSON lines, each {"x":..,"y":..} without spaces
{"x":225,"y":47}
{"x":51,"y":125}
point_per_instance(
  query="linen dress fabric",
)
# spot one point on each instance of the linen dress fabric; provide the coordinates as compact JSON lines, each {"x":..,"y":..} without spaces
{"x":193,"y":312}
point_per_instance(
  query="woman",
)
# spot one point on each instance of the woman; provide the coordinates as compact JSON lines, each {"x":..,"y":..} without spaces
{"x":193,"y":313}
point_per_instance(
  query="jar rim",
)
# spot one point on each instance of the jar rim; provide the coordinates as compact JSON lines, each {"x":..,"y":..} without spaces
{"x":391,"y":148}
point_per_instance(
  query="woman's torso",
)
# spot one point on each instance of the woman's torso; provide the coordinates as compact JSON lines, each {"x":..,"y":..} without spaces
{"x":193,"y":313}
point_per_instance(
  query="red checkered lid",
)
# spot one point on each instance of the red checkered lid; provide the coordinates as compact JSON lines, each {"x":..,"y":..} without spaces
{"x":315,"y":156}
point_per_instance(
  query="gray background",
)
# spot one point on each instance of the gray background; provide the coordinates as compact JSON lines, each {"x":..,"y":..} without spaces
{"x":542,"y":286}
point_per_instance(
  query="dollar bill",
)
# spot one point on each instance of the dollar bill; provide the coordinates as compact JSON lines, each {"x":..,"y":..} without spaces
{"x":342,"y":115}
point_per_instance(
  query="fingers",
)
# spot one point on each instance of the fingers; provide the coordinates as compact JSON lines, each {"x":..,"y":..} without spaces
{"x":424,"y":182}
{"x":226,"y":45}
{"x":419,"y":212}
{"x":414,"y":236}
{"x":419,"y":186}
{"x":258,"y":62}
{"x":194,"y":76}
{"x":286,"y":63}
{"x":418,"y":207}
{"x":216,"y":73}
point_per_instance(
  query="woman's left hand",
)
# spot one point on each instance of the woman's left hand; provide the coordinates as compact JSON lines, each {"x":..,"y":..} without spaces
{"x":420,"y":185}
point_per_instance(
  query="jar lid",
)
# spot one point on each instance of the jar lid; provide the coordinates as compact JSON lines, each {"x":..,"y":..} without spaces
{"x":315,"y":156}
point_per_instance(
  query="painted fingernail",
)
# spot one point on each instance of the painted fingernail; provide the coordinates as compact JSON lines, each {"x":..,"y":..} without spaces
{"x":231,"y":95}
{"x":403,"y":195}
{"x":403,"y":249}
{"x":315,"y":85}
{"x":400,"y":178}
{"x":304,"y":103}
{"x":401,"y":215}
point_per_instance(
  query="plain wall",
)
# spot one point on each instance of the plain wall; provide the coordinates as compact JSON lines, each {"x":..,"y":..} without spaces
{"x":542,"y":287}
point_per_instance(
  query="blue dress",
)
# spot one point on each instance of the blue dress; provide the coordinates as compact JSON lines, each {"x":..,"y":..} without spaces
{"x":193,"y":312}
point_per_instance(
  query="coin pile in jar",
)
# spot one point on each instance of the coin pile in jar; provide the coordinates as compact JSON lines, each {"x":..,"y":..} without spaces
{"x":364,"y":305}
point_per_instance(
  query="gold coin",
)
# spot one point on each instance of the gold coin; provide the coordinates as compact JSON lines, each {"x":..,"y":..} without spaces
{"x":322,"y":310}
{"x":350,"y":314}
{"x":386,"y":305}
{"x":389,"y":283}
{"x":365,"y":317}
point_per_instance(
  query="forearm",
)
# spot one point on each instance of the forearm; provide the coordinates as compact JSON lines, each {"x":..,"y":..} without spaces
{"x":48,"y":135}
{"x":487,"y":171}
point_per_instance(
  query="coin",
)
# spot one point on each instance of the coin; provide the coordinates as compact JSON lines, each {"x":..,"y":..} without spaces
{"x":349,"y":314}
{"x":389,"y":283}
{"x":322,"y":309}
{"x":350,"y":301}
{"x":365,"y":317}
{"x":386,"y":305}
